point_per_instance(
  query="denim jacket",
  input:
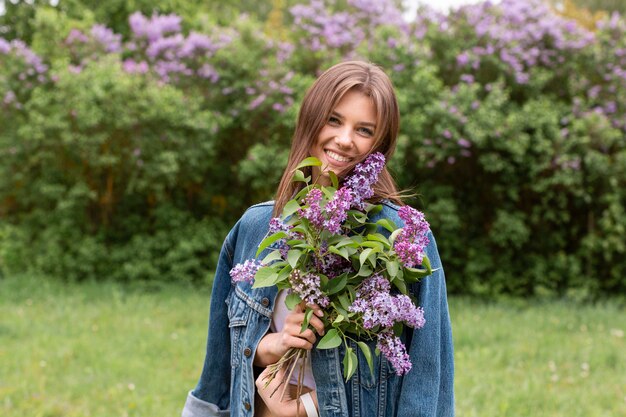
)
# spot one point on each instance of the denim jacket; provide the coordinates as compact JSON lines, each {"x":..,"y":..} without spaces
{"x":240,"y":316}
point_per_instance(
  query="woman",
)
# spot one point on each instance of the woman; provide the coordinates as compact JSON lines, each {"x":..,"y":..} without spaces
{"x":349,"y":112}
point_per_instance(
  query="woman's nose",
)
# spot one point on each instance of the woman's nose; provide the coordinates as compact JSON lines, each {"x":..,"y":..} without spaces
{"x":343,"y":139}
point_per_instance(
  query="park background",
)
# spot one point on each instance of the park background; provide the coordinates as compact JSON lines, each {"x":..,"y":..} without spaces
{"x":134,"y":134}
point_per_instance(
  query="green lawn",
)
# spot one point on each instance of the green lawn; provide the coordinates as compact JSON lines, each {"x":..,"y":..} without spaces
{"x":109,"y":350}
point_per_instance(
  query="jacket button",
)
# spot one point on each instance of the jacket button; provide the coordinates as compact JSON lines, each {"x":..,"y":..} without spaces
{"x":247,"y":406}
{"x":265,"y":302}
{"x":247,"y":351}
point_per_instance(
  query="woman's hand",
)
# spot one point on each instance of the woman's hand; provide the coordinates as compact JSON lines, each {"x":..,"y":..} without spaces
{"x":285,"y":406}
{"x":274,"y":345}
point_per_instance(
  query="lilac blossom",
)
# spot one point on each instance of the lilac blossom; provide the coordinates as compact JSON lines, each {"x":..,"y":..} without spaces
{"x":245,"y":272}
{"x":413,"y":239}
{"x":277,"y":225}
{"x":313,"y":213}
{"x":331,"y":264}
{"x":394,"y":351}
{"x":337,"y":210}
{"x":111,"y":41}
{"x":76,"y":36}
{"x":155,"y":27}
{"x":362,"y":180}
{"x":133,"y":67}
{"x":307,"y":286}
{"x":380,"y":308}
{"x":208,"y":72}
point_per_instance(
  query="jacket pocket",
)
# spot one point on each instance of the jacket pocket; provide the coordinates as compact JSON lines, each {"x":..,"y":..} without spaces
{"x":238,"y":316}
{"x":382,"y":367}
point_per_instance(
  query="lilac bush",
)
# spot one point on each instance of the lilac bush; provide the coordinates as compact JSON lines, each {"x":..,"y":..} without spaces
{"x":513,"y":121}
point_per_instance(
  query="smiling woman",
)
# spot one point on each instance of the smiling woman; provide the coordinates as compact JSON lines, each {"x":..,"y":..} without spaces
{"x":350,"y":113}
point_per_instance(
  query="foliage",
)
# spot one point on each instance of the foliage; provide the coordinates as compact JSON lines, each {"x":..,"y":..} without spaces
{"x":513,"y":124}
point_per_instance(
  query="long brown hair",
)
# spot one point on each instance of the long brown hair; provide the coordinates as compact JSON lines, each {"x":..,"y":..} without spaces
{"x":320,"y":100}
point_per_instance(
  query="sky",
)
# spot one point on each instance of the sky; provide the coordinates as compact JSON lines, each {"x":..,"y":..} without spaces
{"x":442,"y":5}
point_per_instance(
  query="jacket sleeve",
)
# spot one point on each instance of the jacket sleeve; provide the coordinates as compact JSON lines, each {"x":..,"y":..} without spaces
{"x":211,"y":397}
{"x":428,"y":389}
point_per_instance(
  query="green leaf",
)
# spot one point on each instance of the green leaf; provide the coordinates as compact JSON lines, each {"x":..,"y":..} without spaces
{"x":372,"y":209}
{"x":307,"y":317}
{"x":292,"y":300}
{"x":350,"y":362}
{"x":339,"y":318}
{"x":374,"y":245}
{"x":269,"y":240}
{"x":291,"y":207}
{"x":341,"y":252}
{"x":298,"y":176}
{"x":293,"y":256}
{"x":345,"y":303}
{"x":401,"y":285}
{"x":368,"y":355}
{"x":377,"y":237}
{"x":387,"y":224}
{"x":333,"y":179}
{"x":271,"y":257}
{"x":393,"y":267}
{"x":265,"y":277}
{"x":311,"y":161}
{"x":330,"y":340}
{"x":365,"y":271}
{"x":336,"y":284}
{"x":426,"y":264}
{"x":364,"y":255}
{"x":339,"y":309}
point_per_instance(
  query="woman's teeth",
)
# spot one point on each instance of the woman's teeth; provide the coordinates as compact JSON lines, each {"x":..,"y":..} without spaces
{"x":337,"y":157}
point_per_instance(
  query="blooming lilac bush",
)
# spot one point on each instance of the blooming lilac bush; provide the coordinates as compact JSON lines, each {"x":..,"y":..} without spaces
{"x":329,"y":250}
{"x":513,"y":121}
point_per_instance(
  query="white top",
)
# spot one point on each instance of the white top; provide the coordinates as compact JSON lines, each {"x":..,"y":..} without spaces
{"x":278,"y":322}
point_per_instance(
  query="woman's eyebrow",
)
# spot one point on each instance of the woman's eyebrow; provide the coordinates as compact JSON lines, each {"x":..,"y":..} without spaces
{"x":340,"y":116}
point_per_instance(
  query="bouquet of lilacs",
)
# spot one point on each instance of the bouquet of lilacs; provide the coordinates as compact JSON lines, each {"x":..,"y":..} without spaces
{"x":326,"y":250}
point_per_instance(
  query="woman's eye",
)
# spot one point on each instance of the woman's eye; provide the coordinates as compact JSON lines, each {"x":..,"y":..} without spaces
{"x":332,"y":120}
{"x":366,"y":132}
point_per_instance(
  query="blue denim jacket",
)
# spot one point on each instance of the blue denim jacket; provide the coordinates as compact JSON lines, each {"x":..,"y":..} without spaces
{"x":240,"y":316}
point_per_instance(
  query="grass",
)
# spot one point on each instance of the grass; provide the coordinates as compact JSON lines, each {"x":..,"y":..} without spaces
{"x":112,"y":350}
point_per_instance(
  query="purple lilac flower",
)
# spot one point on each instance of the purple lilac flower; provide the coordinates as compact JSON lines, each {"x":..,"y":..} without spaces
{"x":337,"y":210}
{"x":365,"y":175}
{"x":207,"y":71}
{"x":155,"y":27}
{"x":76,"y":36}
{"x":307,"y":286}
{"x":196,"y":42}
{"x":111,"y":41}
{"x":313,"y":213}
{"x":413,"y":238}
{"x":245,"y":272}
{"x":394,"y":350}
{"x":165,"y":46}
{"x":257,"y":101}
{"x":133,"y":67}
{"x":330,"y":264}
{"x":9,"y":97}
{"x":380,"y":308}
{"x":277,"y":225}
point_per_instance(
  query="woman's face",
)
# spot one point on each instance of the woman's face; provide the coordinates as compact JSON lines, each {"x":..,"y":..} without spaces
{"x":348,"y":134}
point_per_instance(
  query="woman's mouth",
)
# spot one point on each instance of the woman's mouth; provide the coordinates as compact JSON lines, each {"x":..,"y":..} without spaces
{"x":336,"y":157}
